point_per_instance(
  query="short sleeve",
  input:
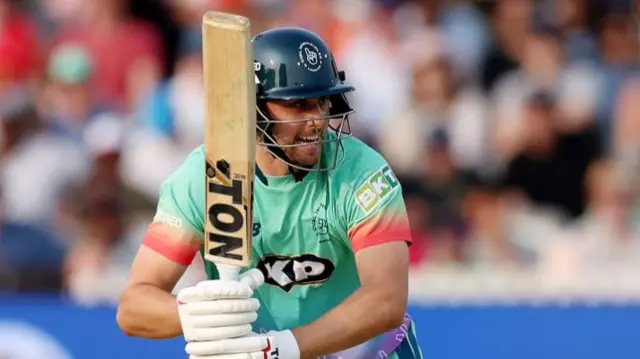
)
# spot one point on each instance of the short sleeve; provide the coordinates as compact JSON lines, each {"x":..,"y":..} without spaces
{"x":177,"y":228}
{"x":375,"y":209}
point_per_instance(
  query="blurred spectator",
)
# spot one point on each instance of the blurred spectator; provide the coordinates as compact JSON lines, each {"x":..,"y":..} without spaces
{"x":66,"y":103}
{"x":437,"y":103}
{"x":488,"y":243}
{"x":30,"y":258}
{"x":464,"y":30}
{"x":315,"y":15}
{"x":626,"y":131}
{"x":373,"y":65}
{"x":111,"y":218}
{"x":126,"y":52}
{"x":509,"y":22}
{"x":504,"y":232}
{"x":36,"y":165}
{"x":185,"y":97}
{"x":606,"y":237}
{"x":171,"y":120}
{"x":575,"y":20}
{"x":542,"y":67}
{"x":618,"y":40}
{"x":550,"y":168}
{"x":57,"y":12}
{"x":577,"y":96}
{"x":441,"y":189}
{"x":18,"y":45}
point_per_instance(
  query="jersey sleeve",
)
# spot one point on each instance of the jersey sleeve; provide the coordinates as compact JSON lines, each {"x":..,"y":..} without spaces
{"x":374,"y":206}
{"x":176,"y":231}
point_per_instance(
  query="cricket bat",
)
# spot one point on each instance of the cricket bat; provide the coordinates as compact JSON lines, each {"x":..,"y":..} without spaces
{"x":229,"y":140}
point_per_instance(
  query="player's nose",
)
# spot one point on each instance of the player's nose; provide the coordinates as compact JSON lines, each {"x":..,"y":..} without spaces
{"x":314,"y":118}
{"x":314,"y":124}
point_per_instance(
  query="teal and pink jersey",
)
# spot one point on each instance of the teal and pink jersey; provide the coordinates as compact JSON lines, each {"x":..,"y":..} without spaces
{"x":305,"y":236}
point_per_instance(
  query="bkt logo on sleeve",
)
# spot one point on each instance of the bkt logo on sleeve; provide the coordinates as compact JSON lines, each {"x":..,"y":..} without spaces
{"x":288,"y":271}
{"x":376,"y":189}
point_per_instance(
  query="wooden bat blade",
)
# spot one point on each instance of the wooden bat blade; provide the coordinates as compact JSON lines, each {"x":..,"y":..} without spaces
{"x":229,"y":139}
{"x":223,"y":20}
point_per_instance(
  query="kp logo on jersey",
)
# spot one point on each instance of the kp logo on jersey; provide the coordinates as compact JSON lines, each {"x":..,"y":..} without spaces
{"x":288,"y":271}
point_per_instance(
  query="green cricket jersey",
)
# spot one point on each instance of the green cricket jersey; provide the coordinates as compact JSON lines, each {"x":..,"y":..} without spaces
{"x":305,"y":235}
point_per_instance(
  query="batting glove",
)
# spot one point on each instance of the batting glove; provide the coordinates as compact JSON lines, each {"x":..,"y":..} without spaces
{"x":272,"y":345}
{"x":219,"y":309}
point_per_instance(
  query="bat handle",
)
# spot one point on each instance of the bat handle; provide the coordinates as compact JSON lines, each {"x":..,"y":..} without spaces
{"x":228,"y":272}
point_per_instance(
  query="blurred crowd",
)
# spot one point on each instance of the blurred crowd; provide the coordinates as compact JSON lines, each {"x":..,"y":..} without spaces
{"x":512,"y":125}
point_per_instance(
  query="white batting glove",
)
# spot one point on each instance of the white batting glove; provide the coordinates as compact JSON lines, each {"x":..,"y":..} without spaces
{"x":272,"y":345}
{"x":219,"y":309}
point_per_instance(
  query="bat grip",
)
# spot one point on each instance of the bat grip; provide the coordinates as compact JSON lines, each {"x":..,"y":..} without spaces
{"x":228,"y":272}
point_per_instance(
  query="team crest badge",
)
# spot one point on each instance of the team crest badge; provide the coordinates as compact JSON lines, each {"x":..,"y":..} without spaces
{"x":310,"y":56}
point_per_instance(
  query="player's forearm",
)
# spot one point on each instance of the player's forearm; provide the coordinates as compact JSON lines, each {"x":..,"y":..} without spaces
{"x":362,"y":316}
{"x":149,"y":312}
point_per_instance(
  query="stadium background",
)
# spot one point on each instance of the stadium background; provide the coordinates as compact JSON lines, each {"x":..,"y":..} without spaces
{"x":512,"y":124}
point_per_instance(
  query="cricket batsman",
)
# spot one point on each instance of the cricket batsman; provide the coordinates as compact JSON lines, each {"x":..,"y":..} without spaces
{"x":329,"y":272}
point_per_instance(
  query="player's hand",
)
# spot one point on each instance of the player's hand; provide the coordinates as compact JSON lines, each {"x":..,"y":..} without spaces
{"x":272,"y":345}
{"x":219,"y":309}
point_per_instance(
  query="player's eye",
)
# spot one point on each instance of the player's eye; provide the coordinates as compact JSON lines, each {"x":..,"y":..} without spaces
{"x":300,"y":104}
{"x":322,"y":103}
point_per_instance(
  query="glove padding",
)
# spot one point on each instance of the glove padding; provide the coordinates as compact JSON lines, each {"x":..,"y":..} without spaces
{"x":272,"y":345}
{"x":219,"y":309}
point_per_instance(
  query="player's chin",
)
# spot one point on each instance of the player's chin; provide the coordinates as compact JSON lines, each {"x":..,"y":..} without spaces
{"x":307,"y":155}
